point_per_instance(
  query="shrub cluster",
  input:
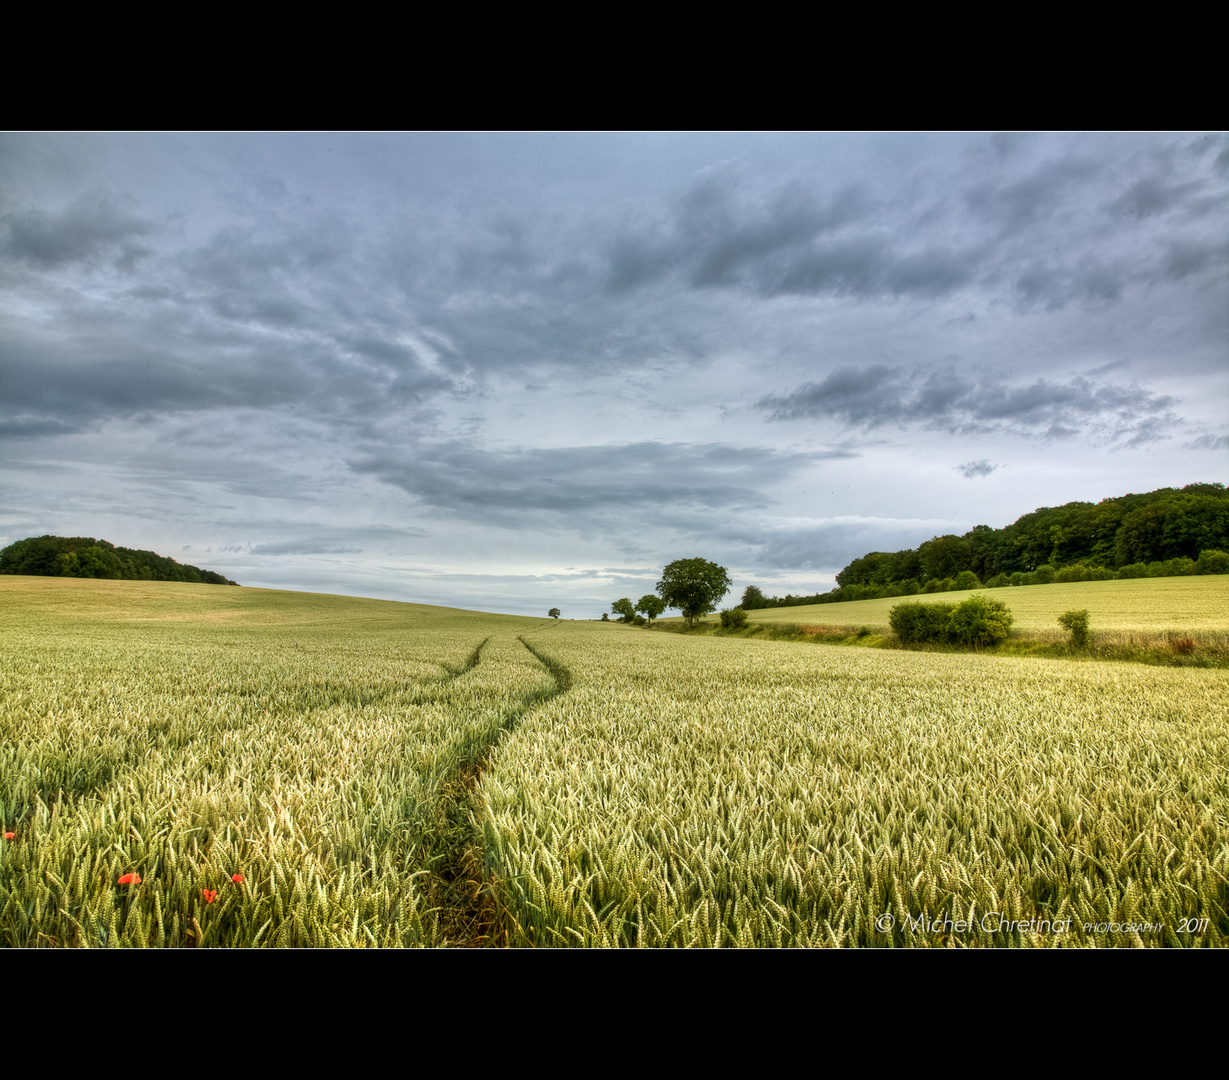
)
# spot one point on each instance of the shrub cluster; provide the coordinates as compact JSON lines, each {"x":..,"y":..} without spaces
{"x":1076,"y":624}
{"x":733,"y":619}
{"x":977,"y":622}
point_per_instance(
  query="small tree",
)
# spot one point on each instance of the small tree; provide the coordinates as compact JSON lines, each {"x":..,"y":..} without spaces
{"x":553,"y":613}
{"x":651,"y":606}
{"x":1076,"y":624}
{"x":733,"y":620}
{"x":623,"y":608}
{"x":694,"y":586}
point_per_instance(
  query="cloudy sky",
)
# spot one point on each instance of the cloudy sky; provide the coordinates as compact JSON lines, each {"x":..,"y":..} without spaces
{"x":513,"y":372}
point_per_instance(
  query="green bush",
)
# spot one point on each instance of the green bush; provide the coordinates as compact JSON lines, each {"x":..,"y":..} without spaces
{"x":1083,"y":572}
{"x":733,"y":620}
{"x":977,"y":622}
{"x":966,"y":579}
{"x":1213,"y":562}
{"x":1076,"y":623}
{"x":916,"y":622}
{"x":980,"y":621}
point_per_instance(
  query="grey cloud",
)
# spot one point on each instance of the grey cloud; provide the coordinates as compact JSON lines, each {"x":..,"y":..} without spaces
{"x":945,"y":400}
{"x":1018,"y":204}
{"x":635,"y":260}
{"x":649,"y":477}
{"x":1151,"y":195}
{"x":34,"y":427}
{"x":301,"y":547}
{"x":832,"y":544}
{"x":971,"y":469}
{"x":868,"y":396}
{"x":90,"y":227}
{"x":1187,"y":257}
{"x":1208,"y":442}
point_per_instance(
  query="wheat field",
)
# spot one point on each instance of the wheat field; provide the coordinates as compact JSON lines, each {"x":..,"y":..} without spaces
{"x":1142,"y":605}
{"x":189,"y":765}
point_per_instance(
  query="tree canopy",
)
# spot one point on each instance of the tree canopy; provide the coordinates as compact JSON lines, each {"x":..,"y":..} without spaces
{"x":694,"y":586}
{"x":83,"y":556}
{"x":650,"y":606}
{"x":623,"y":608}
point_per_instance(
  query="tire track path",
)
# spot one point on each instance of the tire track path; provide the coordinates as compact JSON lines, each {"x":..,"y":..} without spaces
{"x":467,"y":912}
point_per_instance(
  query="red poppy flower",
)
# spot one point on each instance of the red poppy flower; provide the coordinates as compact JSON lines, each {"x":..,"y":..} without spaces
{"x":210,"y":895}
{"x":237,"y":879}
{"x":130,"y":879}
{"x":9,"y":835}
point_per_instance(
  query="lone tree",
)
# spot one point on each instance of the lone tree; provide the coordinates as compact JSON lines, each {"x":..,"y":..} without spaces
{"x":651,"y":607}
{"x":694,"y":586}
{"x":553,"y":613}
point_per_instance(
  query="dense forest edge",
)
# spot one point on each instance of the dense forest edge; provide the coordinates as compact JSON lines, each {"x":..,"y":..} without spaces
{"x":1164,"y":533}
{"x":85,"y":557}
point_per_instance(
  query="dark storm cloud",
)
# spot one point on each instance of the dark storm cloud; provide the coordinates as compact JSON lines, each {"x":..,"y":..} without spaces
{"x":970,"y":469}
{"x":309,"y":307}
{"x":944,"y":399}
{"x":92,"y":227}
{"x":794,"y":240}
{"x":247,"y":321}
{"x":1035,"y":229}
{"x":647,"y":478}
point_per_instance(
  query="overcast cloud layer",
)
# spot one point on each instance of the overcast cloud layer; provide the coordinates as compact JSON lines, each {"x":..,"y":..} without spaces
{"x":514,"y":372}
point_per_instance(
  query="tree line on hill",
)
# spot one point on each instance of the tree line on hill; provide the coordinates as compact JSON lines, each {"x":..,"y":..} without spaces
{"x":1164,"y":533}
{"x":85,"y":557}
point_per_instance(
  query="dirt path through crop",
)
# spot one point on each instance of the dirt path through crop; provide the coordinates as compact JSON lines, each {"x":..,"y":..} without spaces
{"x":467,"y":912}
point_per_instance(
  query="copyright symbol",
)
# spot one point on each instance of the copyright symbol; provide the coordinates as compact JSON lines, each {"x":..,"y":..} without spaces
{"x":885,"y":922}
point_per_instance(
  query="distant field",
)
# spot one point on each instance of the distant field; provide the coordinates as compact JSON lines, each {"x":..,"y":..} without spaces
{"x":1147,"y":604}
{"x":83,"y":600}
{"x":382,"y":774}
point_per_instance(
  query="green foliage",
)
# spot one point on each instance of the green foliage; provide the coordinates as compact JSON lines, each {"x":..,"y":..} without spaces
{"x":1083,"y":572}
{"x":980,"y":621}
{"x":977,"y":622}
{"x":945,"y":556}
{"x":734,"y":619}
{"x":915,"y":622}
{"x":1213,"y":562}
{"x":966,"y":579}
{"x":753,"y":598}
{"x":1079,"y":541}
{"x":651,"y":606}
{"x":694,"y":586}
{"x":1076,"y":623}
{"x":554,"y":613}
{"x":85,"y":557}
{"x":623,"y":608}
